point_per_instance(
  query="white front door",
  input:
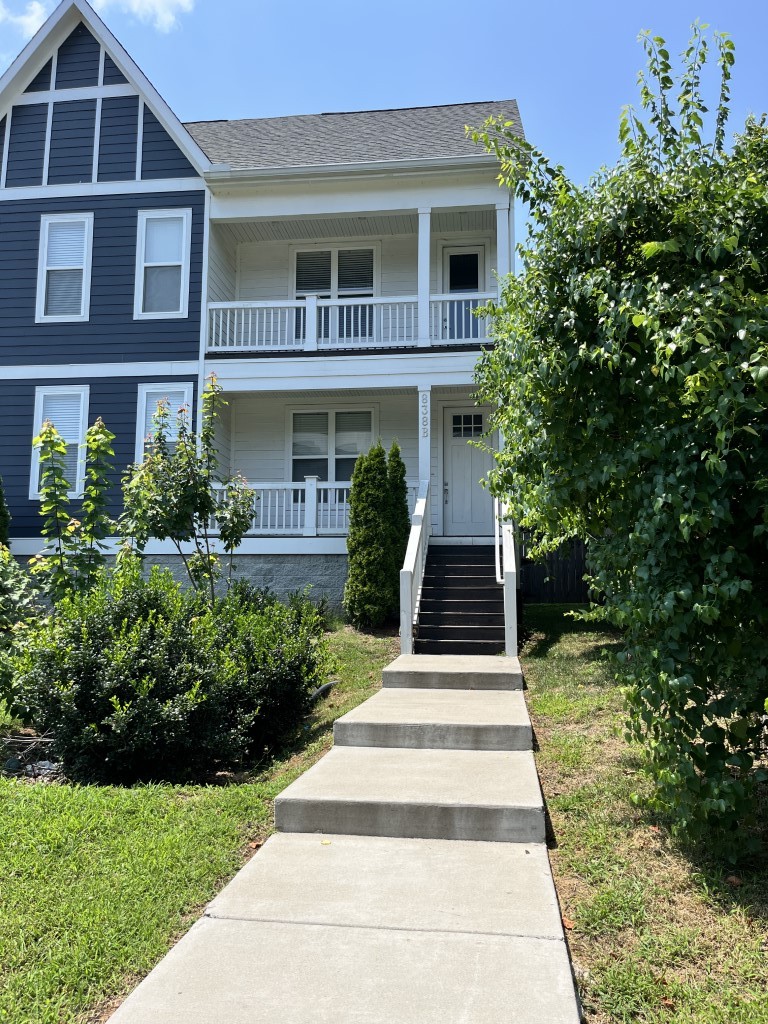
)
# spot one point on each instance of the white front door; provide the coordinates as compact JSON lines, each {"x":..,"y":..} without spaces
{"x":467,"y":505}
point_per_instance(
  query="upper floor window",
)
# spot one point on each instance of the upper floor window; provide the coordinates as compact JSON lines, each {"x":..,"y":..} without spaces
{"x":177,"y":396}
{"x":66,"y":407}
{"x":64,"y":267}
{"x":162,"y":264}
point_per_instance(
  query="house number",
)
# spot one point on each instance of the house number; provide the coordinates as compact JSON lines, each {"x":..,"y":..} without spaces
{"x":425,"y":415}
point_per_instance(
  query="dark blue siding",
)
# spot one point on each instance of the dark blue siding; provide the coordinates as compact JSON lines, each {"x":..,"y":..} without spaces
{"x":73,"y":128}
{"x":26,"y":146}
{"x":2,"y":133}
{"x":161,"y":157}
{"x":78,"y":60}
{"x":42,"y":80}
{"x":118,"y":138}
{"x":112,"y":73}
{"x":115,"y":399}
{"x":112,"y":335}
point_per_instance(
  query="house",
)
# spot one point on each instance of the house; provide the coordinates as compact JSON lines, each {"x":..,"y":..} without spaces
{"x":324,"y":267}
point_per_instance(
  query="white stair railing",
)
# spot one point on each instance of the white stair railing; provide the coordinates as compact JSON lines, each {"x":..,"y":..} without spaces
{"x":412,"y":573}
{"x":506,"y":573}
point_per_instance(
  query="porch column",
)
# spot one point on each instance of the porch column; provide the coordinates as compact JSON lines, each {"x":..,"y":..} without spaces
{"x":425,"y":432}
{"x":503,"y":242}
{"x":310,"y":506}
{"x":425,"y":217}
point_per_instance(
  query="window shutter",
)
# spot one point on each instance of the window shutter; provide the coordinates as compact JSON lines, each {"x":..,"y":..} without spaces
{"x":66,"y":244}
{"x":356,"y":271}
{"x":313,"y":273}
{"x":310,"y":434}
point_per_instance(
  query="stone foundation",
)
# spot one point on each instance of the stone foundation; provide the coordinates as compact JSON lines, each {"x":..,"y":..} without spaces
{"x":282,"y":574}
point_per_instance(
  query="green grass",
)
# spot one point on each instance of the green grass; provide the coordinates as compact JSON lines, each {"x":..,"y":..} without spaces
{"x":97,"y":882}
{"x":658,"y":932}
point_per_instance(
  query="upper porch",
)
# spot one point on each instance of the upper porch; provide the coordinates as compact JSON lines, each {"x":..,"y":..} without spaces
{"x":355,"y":281}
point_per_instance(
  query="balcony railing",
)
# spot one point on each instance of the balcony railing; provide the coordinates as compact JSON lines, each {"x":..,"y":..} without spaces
{"x":306,"y":508}
{"x":311,"y":324}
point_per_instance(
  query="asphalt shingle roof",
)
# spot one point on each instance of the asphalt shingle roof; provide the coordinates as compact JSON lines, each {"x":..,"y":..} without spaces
{"x":366,"y":136}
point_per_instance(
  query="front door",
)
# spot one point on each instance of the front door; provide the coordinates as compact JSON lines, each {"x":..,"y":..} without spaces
{"x":467,"y":505}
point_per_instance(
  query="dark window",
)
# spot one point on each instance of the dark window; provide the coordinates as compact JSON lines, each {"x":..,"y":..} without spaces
{"x":464,"y":272}
{"x":468,"y":425}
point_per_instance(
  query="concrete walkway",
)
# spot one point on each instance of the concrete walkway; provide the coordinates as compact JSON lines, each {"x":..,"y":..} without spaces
{"x":409,"y":882}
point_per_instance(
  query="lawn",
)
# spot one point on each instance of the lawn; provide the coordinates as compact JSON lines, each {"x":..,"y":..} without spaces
{"x":658,"y":933}
{"x":97,"y":882}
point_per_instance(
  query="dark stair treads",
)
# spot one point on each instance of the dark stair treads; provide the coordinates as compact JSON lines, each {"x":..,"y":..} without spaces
{"x":462,"y":605}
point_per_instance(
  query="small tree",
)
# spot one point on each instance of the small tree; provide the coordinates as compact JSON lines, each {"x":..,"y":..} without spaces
{"x":5,"y":517}
{"x":367,"y":594}
{"x":630,"y":379}
{"x":170,"y":494}
{"x":399,"y":522}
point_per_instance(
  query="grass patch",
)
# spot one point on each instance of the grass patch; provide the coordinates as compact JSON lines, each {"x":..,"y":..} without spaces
{"x":97,"y":882}
{"x":660,"y":933}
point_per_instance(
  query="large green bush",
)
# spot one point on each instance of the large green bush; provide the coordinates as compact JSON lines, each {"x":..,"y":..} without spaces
{"x":630,"y":379}
{"x":399,"y":522}
{"x":18,"y":608}
{"x":139,"y":679}
{"x":368,"y":590}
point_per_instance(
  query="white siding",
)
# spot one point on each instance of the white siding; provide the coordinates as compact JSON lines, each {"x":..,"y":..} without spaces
{"x":263,"y":271}
{"x":223,"y":441}
{"x":222,"y":279}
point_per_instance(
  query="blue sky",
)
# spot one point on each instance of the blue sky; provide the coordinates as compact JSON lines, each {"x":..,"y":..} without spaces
{"x":571,"y":65}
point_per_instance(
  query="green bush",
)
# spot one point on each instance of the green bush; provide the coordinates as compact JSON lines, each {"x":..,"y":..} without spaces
{"x":399,"y":522}
{"x":142,"y":680}
{"x":18,"y":606}
{"x":367,"y":594}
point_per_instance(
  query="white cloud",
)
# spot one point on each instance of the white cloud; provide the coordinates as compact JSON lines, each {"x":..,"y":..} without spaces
{"x":28,"y":20}
{"x":163,"y":14}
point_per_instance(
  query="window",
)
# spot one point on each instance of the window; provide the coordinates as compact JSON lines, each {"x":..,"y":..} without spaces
{"x":337,"y":274}
{"x":327,"y":444}
{"x":468,"y":425}
{"x":162,"y":264}
{"x":67,"y":410}
{"x":177,"y":395}
{"x":64,"y":267}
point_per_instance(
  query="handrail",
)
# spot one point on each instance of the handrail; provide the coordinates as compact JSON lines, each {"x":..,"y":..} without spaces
{"x":506,"y":573}
{"x":412,"y":573}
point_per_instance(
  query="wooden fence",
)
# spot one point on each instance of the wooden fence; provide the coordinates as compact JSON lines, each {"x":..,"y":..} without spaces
{"x":558,"y":579}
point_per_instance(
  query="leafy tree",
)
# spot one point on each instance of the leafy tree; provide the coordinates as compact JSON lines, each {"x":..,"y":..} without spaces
{"x":170,"y":495}
{"x":399,"y":522}
{"x":5,"y":517}
{"x":630,"y":379}
{"x":367,"y":594}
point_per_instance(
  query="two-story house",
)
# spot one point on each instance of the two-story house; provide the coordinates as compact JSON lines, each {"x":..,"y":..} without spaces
{"x":324,"y":267}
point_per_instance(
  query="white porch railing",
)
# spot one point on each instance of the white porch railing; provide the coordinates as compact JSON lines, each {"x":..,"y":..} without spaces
{"x":506,"y":574}
{"x":307,"y":508}
{"x":312,"y":323}
{"x":412,"y":573}
{"x":452,"y":318}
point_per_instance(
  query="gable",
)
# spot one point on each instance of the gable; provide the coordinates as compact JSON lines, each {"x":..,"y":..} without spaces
{"x":72,"y":111}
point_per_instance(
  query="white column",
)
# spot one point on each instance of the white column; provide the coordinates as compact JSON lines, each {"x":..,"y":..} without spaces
{"x":425,"y":431}
{"x":310,"y":506}
{"x":425,"y":217}
{"x":503,"y":247}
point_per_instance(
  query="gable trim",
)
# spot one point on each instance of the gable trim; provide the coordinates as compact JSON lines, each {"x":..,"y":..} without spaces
{"x":54,"y":32}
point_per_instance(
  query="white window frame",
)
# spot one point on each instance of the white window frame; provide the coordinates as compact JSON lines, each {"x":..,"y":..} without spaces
{"x":83,"y":390}
{"x":458,"y":250}
{"x":145,"y":391}
{"x":46,"y":219}
{"x":333,"y":248}
{"x":185,"y":215}
{"x":331,"y":410}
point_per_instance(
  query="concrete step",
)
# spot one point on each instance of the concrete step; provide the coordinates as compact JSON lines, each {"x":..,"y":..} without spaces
{"x":457,"y":672}
{"x":438,"y":719}
{"x":485,"y":795}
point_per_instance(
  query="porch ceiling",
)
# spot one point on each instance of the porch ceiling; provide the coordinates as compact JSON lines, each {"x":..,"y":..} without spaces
{"x":444,"y":222}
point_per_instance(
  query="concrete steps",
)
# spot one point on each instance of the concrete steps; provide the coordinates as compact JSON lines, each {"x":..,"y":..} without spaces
{"x":454,"y":672}
{"x":430,"y":794}
{"x":438,"y":719}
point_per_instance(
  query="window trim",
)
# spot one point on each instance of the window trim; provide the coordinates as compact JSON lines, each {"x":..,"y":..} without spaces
{"x":84,"y":391}
{"x":143,"y":393}
{"x":185,"y":215}
{"x":289,"y":413}
{"x":46,"y":219}
{"x":334,"y":248}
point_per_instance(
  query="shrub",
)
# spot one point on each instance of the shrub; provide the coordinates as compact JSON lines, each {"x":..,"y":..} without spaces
{"x":142,"y":680}
{"x":367,"y":594}
{"x":18,"y":606}
{"x":399,"y":522}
